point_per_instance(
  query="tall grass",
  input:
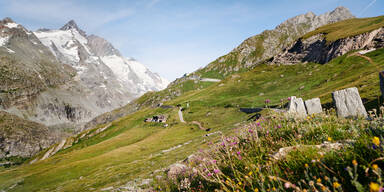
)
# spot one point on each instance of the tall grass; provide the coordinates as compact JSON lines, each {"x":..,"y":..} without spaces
{"x":282,"y":153}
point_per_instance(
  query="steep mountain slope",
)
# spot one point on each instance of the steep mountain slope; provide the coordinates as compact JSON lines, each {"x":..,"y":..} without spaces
{"x":134,"y":75}
{"x":27,"y":66}
{"x":130,"y":149}
{"x":270,"y":42}
{"x":58,"y":78}
{"x":22,"y":138}
{"x":76,"y":84}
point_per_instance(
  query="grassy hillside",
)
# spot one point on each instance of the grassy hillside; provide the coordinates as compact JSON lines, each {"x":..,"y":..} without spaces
{"x":348,"y":28}
{"x":132,"y":149}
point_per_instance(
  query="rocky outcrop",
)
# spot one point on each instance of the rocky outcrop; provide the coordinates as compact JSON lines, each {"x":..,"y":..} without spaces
{"x":321,"y":148}
{"x":296,"y":107}
{"x":269,"y":43}
{"x":23,"y":138}
{"x":348,"y":103}
{"x":317,"y":49}
{"x":313,"y":106}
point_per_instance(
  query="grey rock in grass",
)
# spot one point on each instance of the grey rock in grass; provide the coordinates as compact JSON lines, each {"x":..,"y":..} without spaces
{"x":313,"y":106}
{"x":348,"y":103}
{"x":296,"y":106}
{"x":176,"y":170}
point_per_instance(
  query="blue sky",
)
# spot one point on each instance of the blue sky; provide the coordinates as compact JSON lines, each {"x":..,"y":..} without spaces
{"x":173,"y":37}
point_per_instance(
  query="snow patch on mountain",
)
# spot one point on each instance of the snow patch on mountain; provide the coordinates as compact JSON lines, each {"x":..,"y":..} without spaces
{"x":63,"y":41}
{"x":3,"y":40}
{"x":131,"y":72}
{"x":11,"y":25}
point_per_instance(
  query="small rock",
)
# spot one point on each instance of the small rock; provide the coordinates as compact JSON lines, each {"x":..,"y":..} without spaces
{"x":348,"y":103}
{"x":107,"y":189}
{"x":261,"y":94}
{"x":175,"y":170}
{"x":281,"y":75}
{"x":313,"y":106}
{"x":296,"y":106}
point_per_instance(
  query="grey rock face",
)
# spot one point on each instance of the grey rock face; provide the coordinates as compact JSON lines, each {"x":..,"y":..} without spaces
{"x":313,"y":106}
{"x":23,"y":138}
{"x":101,"y":47}
{"x":72,"y":25}
{"x":296,"y":107}
{"x":348,"y":103}
{"x":317,"y":49}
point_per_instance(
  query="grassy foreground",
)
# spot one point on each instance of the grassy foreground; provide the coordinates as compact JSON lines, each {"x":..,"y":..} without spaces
{"x":131,"y":149}
{"x":282,"y":153}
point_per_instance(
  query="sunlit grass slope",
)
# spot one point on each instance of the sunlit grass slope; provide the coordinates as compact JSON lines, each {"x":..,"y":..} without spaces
{"x":348,"y":28}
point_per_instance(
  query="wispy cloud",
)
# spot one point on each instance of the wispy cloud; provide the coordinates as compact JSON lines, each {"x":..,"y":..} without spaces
{"x":366,"y":7}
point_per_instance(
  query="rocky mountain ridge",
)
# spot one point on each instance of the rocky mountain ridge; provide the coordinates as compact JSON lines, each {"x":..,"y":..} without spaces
{"x":318,"y":50}
{"x":269,"y":43}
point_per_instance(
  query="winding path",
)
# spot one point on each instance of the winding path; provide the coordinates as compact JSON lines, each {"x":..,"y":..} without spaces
{"x":193,"y":122}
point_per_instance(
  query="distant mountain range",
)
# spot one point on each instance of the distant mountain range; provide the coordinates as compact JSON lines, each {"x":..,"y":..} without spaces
{"x":64,"y":77}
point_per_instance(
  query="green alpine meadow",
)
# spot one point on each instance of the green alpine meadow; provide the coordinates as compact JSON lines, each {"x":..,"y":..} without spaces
{"x":296,"y":107}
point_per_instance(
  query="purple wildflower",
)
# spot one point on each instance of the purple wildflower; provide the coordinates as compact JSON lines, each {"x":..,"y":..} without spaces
{"x":209,"y":174}
{"x":250,"y":130}
{"x":216,"y":171}
{"x":238,"y":152}
{"x":214,"y":161}
{"x":267,"y":101}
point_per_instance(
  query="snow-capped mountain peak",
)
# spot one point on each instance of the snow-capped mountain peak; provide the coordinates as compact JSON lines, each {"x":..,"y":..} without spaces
{"x":72,"y":25}
{"x":71,"y":45}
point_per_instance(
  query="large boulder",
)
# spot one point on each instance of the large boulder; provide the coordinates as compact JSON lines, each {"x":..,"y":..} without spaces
{"x":348,"y":103}
{"x":313,"y":106}
{"x":296,"y":107}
